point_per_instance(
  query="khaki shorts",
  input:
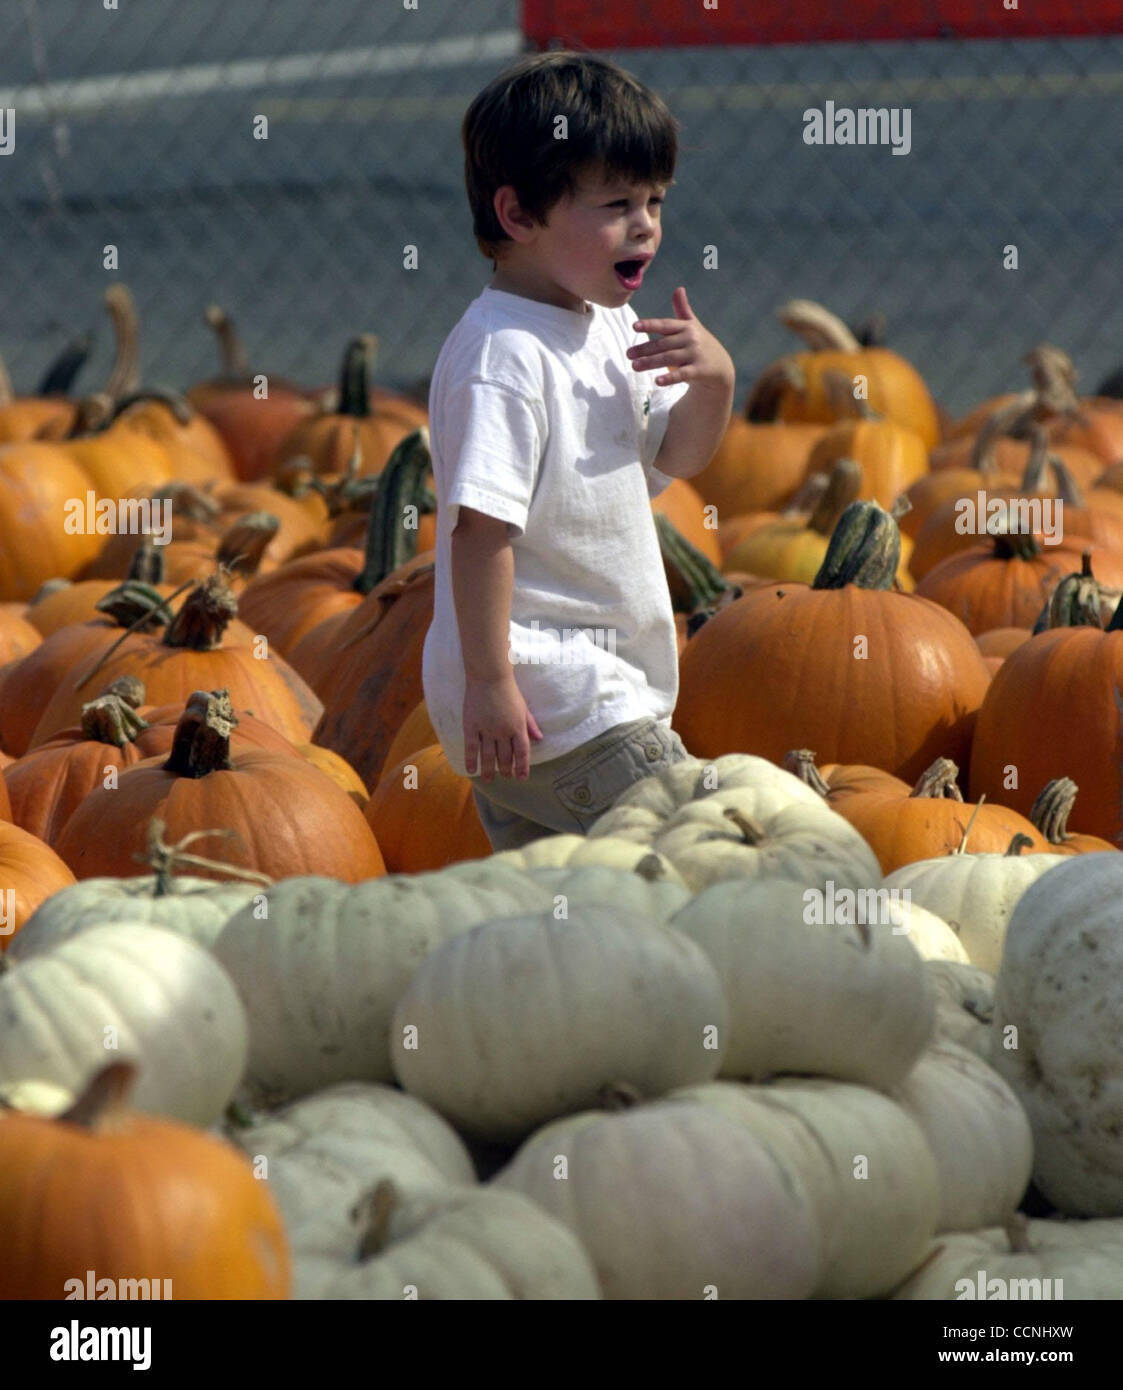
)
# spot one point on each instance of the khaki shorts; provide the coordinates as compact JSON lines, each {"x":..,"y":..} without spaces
{"x":567,"y":794}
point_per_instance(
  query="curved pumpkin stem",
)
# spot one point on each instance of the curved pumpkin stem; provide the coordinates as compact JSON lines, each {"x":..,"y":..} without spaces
{"x":125,"y":373}
{"x":243,"y":546}
{"x":354,"y":394}
{"x":1054,"y":376}
{"x":1050,"y":812}
{"x":763,"y":404}
{"x":59,"y":377}
{"x":389,"y":543}
{"x":752,"y":832}
{"x":179,"y":405}
{"x":235,"y":368}
{"x":864,"y":549}
{"x":939,"y":781}
{"x":1012,"y":418}
{"x":817,"y":326}
{"x":1077,"y":601}
{"x":694,"y":580}
{"x":801,"y":763}
{"x":1016,"y":845}
{"x":839,"y":390}
{"x":7,"y":395}
{"x":843,"y":485}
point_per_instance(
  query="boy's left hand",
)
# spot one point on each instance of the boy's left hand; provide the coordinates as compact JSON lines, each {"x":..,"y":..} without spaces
{"x":689,"y":351}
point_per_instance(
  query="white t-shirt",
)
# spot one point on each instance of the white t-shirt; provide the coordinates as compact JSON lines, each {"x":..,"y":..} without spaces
{"x":538,"y":418}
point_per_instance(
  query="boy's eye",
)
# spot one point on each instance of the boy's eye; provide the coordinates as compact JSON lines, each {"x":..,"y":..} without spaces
{"x":623,"y":202}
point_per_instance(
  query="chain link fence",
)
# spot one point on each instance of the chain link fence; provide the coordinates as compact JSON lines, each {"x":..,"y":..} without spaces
{"x":138,"y":127}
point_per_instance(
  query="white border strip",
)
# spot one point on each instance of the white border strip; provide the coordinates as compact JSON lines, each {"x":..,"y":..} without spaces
{"x":63,"y":98}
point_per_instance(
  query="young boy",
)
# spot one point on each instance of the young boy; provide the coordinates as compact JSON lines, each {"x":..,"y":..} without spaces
{"x":552,"y":655}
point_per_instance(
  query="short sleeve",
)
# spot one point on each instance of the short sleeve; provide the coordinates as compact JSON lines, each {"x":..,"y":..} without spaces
{"x":495,"y":438}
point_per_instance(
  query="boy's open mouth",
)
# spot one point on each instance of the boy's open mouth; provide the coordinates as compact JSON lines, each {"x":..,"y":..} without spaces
{"x":630,"y":273}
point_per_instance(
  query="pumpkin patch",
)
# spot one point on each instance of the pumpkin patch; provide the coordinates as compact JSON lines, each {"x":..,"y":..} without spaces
{"x":749,"y":1032}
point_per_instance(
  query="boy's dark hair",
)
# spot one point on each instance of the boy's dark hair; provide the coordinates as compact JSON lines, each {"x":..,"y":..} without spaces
{"x":612,"y":120}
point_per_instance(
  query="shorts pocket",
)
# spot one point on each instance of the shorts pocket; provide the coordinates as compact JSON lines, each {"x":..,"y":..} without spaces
{"x":596,"y":783}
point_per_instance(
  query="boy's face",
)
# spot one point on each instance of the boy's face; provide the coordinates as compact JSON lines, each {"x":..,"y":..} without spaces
{"x":575,"y":257}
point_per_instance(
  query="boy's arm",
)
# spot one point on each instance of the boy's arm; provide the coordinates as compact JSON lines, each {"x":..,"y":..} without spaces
{"x":498,"y":726}
{"x":688,"y":352}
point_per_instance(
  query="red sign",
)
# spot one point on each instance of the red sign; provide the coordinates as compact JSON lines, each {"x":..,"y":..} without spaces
{"x":681,"y":23}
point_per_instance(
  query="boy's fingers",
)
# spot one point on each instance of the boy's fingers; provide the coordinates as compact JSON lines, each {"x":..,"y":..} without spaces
{"x":658,"y":325}
{"x":532,"y":726}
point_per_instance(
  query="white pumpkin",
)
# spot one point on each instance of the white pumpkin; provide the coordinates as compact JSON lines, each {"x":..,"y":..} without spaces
{"x":522,"y":1020}
{"x":580,"y":851}
{"x":1057,"y":1006}
{"x":841,"y":1000}
{"x":151,"y":996}
{"x":464,"y":1244}
{"x":322,"y":969}
{"x":978,"y":1134}
{"x":1052,"y":1259}
{"x":975,"y":894}
{"x":655,"y":898}
{"x":964,"y":1004}
{"x":320,"y":1154}
{"x":197,"y":908}
{"x":695,"y":779}
{"x":672,"y":1200}
{"x":871,"y":1178}
{"x":752,"y":833}
{"x":929,"y":935}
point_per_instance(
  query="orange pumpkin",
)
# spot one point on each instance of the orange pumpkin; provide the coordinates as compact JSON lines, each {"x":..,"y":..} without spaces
{"x":424,"y":816}
{"x":895,"y":387}
{"x":31,"y":871}
{"x":414,"y":733}
{"x":286,"y":816}
{"x":776,"y":669}
{"x":203,"y":647}
{"x":890,"y":455}
{"x":932,"y":820}
{"x":37,"y":486}
{"x":1001,"y":641}
{"x":132,"y":1196}
{"x":685,"y":510}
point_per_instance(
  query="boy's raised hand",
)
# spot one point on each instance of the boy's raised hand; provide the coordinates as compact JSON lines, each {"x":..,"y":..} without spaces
{"x":498,"y":727}
{"x":685,"y":347}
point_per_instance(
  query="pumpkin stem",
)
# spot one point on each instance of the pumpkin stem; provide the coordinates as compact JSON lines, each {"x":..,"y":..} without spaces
{"x":202,"y":737}
{"x":152,"y":607}
{"x":1013,"y":545}
{"x":843,"y":485}
{"x":1067,"y":489}
{"x":188,"y":500}
{"x":372,"y":1212}
{"x":204,"y":617}
{"x":939,"y":781}
{"x":839,"y":390}
{"x":650,"y":868}
{"x":971,"y":825}
{"x":806,"y":498}
{"x":763,"y":404}
{"x":1077,"y":600}
{"x":112,"y":717}
{"x":818,"y":327}
{"x":1016,"y":1226}
{"x":352,"y":490}
{"x":1116,"y":618}
{"x":179,"y":406}
{"x":1016,"y":845}
{"x":864,"y":549}
{"x":1054,"y":378}
{"x":618,"y":1095}
{"x":1050,"y":812}
{"x":752,"y":832}
{"x":1010,"y":418}
{"x":49,"y":587}
{"x":235,"y":363}
{"x":124,"y":375}
{"x":354,"y":395}
{"x":59,"y":378}
{"x":165,"y":859}
{"x":147,"y":564}
{"x":104,"y":1100}
{"x":390,"y":543}
{"x":91,"y":415}
{"x":801,"y":763}
{"x":7,"y":395}
{"x":243,"y":546}
{"x":694,"y":580}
